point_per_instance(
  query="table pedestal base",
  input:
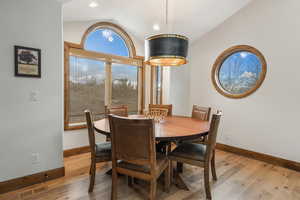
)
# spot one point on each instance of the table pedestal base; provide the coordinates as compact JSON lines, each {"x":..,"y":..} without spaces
{"x":177,"y":179}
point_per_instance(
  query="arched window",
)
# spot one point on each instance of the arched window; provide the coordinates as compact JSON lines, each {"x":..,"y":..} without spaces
{"x":102,"y":70}
{"x":106,"y":41}
{"x":105,"y":37}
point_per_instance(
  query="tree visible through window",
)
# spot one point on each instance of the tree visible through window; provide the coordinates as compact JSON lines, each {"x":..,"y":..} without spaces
{"x":125,"y":86}
{"x":87,"y":88}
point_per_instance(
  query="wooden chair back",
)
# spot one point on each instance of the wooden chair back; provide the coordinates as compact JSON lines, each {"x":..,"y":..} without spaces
{"x":91,"y":132}
{"x":157,"y":113}
{"x":133,"y":141}
{"x":202,"y":113}
{"x":121,"y":110}
{"x":162,"y":106}
{"x":212,"y":136}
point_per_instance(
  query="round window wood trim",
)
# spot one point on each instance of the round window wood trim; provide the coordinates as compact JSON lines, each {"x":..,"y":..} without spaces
{"x":117,"y":29}
{"x":224,"y":55}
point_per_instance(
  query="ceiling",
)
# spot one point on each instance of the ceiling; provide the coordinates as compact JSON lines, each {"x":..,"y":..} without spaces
{"x":192,"y":18}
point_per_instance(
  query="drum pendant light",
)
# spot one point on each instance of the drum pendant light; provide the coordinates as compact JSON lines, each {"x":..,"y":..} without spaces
{"x":166,"y":49}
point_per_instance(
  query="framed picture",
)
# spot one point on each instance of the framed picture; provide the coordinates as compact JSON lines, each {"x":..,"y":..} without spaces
{"x":27,"y":62}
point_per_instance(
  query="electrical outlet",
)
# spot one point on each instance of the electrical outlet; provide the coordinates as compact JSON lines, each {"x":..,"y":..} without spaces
{"x":35,"y":158}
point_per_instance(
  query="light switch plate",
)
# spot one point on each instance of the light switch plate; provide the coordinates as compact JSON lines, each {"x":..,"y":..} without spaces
{"x":35,"y":158}
{"x":33,"y":96}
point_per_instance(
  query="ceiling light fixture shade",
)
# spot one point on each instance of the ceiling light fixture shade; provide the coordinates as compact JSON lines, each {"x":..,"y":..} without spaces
{"x":166,"y":50}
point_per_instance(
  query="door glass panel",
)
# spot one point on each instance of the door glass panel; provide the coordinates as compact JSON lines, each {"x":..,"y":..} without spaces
{"x":158,"y":85}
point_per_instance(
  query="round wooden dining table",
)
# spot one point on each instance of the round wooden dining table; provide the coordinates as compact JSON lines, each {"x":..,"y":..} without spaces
{"x":172,"y":128}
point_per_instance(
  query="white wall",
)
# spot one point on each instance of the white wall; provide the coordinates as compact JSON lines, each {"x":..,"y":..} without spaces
{"x":268,"y":120}
{"x":179,"y":94}
{"x":73,"y":32}
{"x":31,"y":127}
{"x":79,"y":138}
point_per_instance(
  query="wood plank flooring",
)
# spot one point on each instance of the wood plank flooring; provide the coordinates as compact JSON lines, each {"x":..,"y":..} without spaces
{"x":239,"y":178}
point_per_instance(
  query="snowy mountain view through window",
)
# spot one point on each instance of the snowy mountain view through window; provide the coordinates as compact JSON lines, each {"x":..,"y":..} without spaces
{"x":240,"y":72}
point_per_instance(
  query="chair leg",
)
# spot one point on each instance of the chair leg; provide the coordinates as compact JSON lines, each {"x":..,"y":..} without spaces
{"x":114,"y":191}
{"x":171,"y":172}
{"x":179,"y":167}
{"x":167,"y":180}
{"x":213,"y":167}
{"x":152,"y":194}
{"x":130,"y":181}
{"x":92,"y":176}
{"x":206,"y":182}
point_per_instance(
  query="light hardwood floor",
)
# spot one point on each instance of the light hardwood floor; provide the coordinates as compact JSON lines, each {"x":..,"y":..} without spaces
{"x":239,"y":178}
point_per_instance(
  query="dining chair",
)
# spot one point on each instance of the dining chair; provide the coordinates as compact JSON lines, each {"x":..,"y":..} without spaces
{"x":201,"y":113}
{"x":100,"y":152}
{"x":158,"y":112}
{"x":162,"y":106}
{"x":120,"y":110}
{"x":201,"y":155}
{"x":134,"y":155}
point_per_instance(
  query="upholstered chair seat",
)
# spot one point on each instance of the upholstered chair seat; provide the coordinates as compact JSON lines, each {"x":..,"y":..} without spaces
{"x":103,"y":149}
{"x":189,"y":151}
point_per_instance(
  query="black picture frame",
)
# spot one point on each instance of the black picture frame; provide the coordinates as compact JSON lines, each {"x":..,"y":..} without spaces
{"x":27,"y":62}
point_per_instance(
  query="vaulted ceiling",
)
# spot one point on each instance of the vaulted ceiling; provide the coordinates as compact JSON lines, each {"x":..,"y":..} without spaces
{"x":192,"y":18}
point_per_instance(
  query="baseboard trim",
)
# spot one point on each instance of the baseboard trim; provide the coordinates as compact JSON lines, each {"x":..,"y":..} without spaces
{"x":76,"y":151}
{"x":18,"y":183}
{"x":260,"y":156}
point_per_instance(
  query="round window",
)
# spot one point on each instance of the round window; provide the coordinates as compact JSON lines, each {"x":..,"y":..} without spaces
{"x":239,"y":71}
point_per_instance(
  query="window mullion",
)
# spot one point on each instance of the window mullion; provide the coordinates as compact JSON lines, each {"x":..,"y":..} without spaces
{"x":108,"y":83}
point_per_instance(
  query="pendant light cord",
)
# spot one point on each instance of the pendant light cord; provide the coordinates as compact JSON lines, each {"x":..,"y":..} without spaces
{"x":167,"y":5}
